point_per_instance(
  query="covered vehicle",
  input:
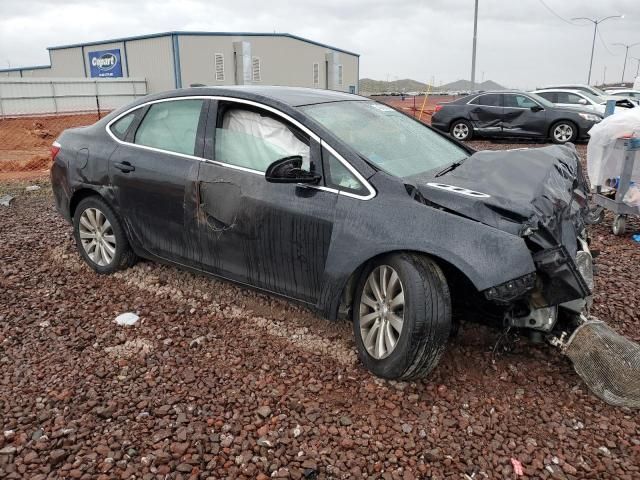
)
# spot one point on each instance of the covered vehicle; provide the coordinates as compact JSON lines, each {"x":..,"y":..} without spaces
{"x":338,"y":202}
{"x":513,"y":114}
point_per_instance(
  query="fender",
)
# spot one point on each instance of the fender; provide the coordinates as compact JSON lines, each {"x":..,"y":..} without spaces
{"x":485,"y":255}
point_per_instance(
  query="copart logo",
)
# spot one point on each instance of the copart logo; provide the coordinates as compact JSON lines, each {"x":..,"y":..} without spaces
{"x":105,"y":62}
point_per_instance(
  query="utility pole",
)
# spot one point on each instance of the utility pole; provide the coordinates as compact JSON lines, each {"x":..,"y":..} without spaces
{"x":475,"y":41}
{"x":637,"y":69}
{"x":626,"y":54}
{"x":595,"y":22}
{"x":604,"y":76}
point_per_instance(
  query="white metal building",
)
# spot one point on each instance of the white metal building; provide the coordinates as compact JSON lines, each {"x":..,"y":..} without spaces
{"x":176,"y":59}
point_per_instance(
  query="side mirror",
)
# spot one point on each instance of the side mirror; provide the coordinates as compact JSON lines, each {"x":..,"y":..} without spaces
{"x":582,"y":101}
{"x":289,"y":170}
{"x":536,"y":108}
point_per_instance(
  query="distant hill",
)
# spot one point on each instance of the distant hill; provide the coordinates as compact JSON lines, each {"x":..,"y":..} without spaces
{"x":368,"y":85}
{"x":466,"y":85}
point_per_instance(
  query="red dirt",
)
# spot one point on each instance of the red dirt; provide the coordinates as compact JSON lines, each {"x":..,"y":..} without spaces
{"x":25,"y":142}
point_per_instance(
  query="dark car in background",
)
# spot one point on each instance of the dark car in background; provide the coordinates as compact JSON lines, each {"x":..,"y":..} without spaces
{"x":513,"y":114}
{"x":335,"y":201}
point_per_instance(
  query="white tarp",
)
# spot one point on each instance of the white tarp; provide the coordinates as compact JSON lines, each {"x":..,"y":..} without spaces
{"x":605,"y":151}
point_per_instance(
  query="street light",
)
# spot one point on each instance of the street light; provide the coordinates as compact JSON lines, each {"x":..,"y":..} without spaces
{"x":637,"y":69}
{"x":595,"y":22}
{"x":626,"y":54}
{"x":473,"y":54}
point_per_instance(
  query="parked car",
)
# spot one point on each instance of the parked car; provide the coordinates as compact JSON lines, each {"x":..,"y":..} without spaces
{"x":574,"y":98}
{"x":512,"y":114}
{"x":338,"y":202}
{"x":595,"y":91}
{"x":626,"y":92}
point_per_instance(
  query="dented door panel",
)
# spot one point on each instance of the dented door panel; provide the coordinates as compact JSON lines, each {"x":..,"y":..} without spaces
{"x":272,"y":236}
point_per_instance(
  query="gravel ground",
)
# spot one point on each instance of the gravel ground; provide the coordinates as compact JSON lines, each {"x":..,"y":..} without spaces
{"x":216,"y":381}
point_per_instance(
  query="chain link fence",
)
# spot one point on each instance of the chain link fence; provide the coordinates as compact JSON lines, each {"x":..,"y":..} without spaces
{"x":33,"y":113}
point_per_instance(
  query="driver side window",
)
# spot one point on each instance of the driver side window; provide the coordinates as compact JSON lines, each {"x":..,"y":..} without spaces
{"x":254,"y":139}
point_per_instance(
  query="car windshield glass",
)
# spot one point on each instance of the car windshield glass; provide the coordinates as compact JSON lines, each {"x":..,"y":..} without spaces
{"x":593,"y":97}
{"x":387,"y":138}
{"x":597,"y":91}
{"x":542,"y":101}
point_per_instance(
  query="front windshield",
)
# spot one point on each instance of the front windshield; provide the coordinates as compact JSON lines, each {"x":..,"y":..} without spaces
{"x":541,"y":100}
{"x":593,"y":98}
{"x":597,"y":91}
{"x":387,"y":138}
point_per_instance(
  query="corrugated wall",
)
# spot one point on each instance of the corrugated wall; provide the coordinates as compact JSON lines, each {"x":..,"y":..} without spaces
{"x":283,"y":61}
{"x":66,"y":62}
{"x":152,"y":59}
{"x":36,"y":96}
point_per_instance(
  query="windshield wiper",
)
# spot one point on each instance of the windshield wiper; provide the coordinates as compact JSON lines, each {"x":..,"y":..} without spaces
{"x":451,"y":167}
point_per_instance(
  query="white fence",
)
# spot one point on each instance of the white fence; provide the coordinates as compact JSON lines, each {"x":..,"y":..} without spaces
{"x":51,"y":96}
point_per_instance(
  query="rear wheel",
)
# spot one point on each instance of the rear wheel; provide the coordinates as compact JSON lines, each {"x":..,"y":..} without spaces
{"x":563,"y":132}
{"x":461,"y":130}
{"x":100,"y":238}
{"x":401,"y":316}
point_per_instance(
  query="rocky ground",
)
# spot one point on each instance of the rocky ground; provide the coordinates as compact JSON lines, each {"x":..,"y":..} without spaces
{"x":216,"y":381}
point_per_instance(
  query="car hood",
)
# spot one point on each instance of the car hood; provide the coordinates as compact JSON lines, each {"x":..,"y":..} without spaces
{"x":538,"y":193}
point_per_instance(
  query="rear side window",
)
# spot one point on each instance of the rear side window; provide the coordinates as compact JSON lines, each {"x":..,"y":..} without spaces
{"x":119,"y":129}
{"x":171,"y":126}
{"x":551,"y":96}
{"x":568,"y":97}
{"x":489,"y":100}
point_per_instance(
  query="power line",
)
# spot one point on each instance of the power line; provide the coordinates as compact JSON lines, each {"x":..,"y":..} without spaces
{"x":555,"y":14}
{"x":604,"y":44}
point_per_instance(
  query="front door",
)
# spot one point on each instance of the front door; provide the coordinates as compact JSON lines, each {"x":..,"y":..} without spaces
{"x":523,"y":117}
{"x":154,"y":174}
{"x":274,"y":236}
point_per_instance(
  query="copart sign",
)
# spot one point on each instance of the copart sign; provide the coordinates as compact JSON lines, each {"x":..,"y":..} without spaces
{"x":105,"y":63}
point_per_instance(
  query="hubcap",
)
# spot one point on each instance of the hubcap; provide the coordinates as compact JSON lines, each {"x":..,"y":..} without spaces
{"x":460,"y":131}
{"x":96,"y":236}
{"x":381,"y":312}
{"x":563,"y":132}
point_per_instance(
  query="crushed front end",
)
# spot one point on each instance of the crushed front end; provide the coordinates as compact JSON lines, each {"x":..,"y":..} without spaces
{"x":556,"y":234}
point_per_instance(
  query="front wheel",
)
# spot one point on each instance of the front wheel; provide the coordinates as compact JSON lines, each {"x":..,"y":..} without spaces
{"x":563,"y":132}
{"x":401,"y":316}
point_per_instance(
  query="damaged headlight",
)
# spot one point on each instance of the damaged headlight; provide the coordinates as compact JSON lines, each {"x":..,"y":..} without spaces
{"x":590,"y":117}
{"x":509,"y":291}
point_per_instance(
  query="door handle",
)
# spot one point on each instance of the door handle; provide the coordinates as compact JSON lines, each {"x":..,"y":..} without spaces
{"x":124,"y":167}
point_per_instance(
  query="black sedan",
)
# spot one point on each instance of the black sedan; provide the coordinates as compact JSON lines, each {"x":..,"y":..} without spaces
{"x":513,"y":114}
{"x":335,"y":201}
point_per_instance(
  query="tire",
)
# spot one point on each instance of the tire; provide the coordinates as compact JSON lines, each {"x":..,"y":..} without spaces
{"x":426,"y":317}
{"x":563,"y":132}
{"x":619,"y":226}
{"x":111,"y":251}
{"x":461,"y":130}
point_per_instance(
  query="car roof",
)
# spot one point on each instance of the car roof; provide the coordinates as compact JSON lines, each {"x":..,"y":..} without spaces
{"x":558,"y":89}
{"x":292,"y":96}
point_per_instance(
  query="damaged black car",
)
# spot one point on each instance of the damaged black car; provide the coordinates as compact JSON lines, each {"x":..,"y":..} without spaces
{"x":338,"y":202}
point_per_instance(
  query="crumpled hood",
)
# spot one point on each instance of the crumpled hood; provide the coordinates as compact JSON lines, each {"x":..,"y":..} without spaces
{"x":520,"y":191}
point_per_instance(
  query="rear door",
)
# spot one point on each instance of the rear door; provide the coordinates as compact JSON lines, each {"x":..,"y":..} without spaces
{"x":154,"y":172}
{"x":570,"y":99}
{"x":274,"y":236}
{"x":523,"y":117}
{"x":485,"y":113}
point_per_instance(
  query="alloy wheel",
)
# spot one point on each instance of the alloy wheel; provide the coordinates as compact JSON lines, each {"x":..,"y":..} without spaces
{"x":563,"y":132}
{"x":97,"y":237}
{"x":460,"y":131}
{"x":381,"y":312}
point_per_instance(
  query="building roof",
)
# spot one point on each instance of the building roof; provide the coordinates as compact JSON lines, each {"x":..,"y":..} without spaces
{"x":190,"y":33}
